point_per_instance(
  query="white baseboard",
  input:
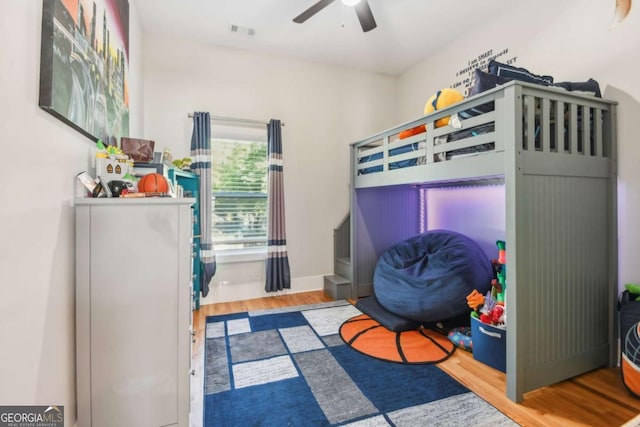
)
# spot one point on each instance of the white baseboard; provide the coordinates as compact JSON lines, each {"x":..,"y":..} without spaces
{"x":242,"y":291}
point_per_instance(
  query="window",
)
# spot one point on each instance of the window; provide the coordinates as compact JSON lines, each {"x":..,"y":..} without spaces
{"x":239,"y":186}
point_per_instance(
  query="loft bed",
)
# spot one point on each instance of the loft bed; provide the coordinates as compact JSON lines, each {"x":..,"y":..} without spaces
{"x":529,"y":164}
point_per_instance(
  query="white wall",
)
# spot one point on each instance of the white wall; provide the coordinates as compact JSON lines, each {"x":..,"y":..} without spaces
{"x":571,"y":41}
{"x":324,"y":109}
{"x":41,"y":156}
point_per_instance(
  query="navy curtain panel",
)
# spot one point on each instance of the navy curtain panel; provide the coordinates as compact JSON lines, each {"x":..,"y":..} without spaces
{"x":201,"y":165}
{"x":278,"y":275}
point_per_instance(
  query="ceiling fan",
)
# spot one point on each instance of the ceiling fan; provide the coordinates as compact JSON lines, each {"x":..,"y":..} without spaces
{"x":362,"y":8}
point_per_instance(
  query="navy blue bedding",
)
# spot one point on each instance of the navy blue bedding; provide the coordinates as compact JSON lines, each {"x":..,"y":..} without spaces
{"x":428,"y":277}
{"x":454,"y":136}
{"x":511,"y":72}
{"x":468,"y":133}
{"x":484,"y":81}
{"x":392,"y":165}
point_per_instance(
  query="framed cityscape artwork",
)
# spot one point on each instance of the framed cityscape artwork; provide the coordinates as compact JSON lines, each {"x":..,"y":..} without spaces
{"x":84,"y":66}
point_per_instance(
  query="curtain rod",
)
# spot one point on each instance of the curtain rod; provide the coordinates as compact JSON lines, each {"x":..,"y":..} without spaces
{"x":236,"y":120}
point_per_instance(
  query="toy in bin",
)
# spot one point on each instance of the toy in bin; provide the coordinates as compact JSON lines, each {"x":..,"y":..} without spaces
{"x":489,"y":317}
{"x":490,"y":309}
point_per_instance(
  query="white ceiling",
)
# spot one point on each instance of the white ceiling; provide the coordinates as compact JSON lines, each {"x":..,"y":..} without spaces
{"x":408,"y":30}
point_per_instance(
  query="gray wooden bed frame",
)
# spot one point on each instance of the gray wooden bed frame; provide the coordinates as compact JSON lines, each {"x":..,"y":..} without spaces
{"x":562,"y":259}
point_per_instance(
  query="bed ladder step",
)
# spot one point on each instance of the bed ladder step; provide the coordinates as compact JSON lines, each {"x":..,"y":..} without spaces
{"x":338,"y":284}
{"x":342,"y":267}
{"x":337,"y":287}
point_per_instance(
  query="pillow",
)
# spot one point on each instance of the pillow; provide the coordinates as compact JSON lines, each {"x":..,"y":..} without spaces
{"x":485,"y":81}
{"x":590,"y":86}
{"x":461,"y":337}
{"x":516,"y":73}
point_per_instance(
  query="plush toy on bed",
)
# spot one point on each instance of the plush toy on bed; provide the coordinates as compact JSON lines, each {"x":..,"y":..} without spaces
{"x":442,"y":99}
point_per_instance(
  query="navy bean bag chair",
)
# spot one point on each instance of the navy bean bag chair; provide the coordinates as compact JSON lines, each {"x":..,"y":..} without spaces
{"x":428,"y":277}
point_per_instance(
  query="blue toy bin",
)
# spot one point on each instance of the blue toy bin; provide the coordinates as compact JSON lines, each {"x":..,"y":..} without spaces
{"x":489,"y":344}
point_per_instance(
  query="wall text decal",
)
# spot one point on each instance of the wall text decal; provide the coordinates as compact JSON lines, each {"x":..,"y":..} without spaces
{"x":465,"y":75}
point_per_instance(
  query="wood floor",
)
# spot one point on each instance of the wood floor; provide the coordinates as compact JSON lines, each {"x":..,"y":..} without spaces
{"x":597,"y":398}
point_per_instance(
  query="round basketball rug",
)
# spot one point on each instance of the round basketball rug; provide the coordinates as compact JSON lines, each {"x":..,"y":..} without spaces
{"x":420,"y":346}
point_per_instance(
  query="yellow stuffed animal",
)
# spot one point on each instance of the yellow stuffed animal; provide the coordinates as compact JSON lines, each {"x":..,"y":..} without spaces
{"x":441,"y":99}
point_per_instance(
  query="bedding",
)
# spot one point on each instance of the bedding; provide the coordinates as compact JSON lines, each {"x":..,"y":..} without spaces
{"x":590,"y":87}
{"x":484,"y":81}
{"x":392,"y":165}
{"x":455,"y":136}
{"x":462,"y":134}
{"x":517,"y":73}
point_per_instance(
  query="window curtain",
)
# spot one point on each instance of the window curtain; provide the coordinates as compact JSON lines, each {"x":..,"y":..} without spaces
{"x":278,"y":275}
{"x":201,"y":165}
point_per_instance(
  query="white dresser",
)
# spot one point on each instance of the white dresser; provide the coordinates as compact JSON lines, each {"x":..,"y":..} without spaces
{"x":133,"y":311}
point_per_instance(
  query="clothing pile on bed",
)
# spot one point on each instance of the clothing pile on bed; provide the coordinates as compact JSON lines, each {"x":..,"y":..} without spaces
{"x":499,"y":73}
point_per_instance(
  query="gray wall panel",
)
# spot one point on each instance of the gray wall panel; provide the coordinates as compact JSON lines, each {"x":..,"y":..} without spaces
{"x":563,"y":235}
{"x":381,"y":217}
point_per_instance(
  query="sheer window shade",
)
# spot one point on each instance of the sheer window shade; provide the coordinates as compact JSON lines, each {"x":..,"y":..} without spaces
{"x":239,"y":187}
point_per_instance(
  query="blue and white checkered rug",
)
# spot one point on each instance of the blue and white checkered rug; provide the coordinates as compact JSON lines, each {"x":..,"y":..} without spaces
{"x":289,"y":367}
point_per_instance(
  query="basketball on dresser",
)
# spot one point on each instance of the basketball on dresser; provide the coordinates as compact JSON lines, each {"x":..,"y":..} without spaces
{"x":153,"y":183}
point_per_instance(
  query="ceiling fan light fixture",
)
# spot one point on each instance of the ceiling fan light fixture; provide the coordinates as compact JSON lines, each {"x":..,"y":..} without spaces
{"x":361,"y":8}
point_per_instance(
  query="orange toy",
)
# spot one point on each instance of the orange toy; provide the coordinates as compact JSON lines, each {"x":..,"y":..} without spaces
{"x":413,"y":131}
{"x":475,"y":299}
{"x":153,"y":183}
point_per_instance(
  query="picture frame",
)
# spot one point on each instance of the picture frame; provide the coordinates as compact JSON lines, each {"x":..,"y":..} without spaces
{"x":84,"y":66}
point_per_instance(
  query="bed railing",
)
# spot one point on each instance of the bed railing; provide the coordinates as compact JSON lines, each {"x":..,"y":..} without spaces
{"x":520,"y":117}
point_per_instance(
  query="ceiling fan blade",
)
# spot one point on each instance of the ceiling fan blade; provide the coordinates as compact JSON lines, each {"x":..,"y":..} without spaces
{"x":312,"y":11}
{"x":365,"y":16}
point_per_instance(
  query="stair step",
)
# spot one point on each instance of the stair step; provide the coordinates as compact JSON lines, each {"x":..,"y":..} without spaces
{"x":337,"y":287}
{"x":342,"y":267}
{"x":337,"y":280}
